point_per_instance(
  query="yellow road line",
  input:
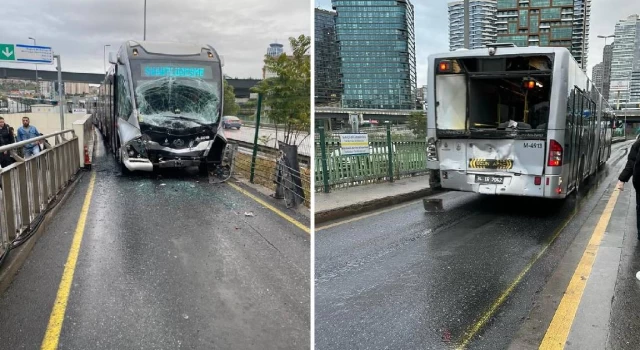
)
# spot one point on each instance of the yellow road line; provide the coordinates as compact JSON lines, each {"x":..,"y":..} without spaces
{"x":558,"y":330}
{"x":56,"y":319}
{"x":477,"y":326}
{"x":365,"y":216}
{"x":272,"y":208}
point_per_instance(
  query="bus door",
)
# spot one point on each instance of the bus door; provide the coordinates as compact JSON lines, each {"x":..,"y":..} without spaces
{"x":570,"y":140}
{"x":577,"y":135}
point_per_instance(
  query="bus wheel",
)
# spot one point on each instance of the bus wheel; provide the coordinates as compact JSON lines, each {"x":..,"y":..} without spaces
{"x":203,"y":169}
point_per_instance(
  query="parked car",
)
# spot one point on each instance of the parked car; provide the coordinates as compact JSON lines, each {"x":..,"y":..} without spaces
{"x":231,"y":122}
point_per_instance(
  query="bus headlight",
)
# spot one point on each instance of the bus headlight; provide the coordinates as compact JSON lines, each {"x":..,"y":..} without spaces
{"x":135,"y":148}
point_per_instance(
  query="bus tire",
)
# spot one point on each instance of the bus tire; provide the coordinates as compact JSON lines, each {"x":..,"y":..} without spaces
{"x":434,"y":179}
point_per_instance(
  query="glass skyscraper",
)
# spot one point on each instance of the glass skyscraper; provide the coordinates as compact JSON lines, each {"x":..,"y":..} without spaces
{"x":626,"y":61}
{"x":377,"y":53}
{"x":480,"y":29}
{"x":563,"y":23}
{"x":327,"y":61}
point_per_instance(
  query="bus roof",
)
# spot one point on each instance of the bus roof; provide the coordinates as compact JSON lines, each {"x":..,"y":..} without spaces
{"x":168,"y":48}
{"x":502,"y":51}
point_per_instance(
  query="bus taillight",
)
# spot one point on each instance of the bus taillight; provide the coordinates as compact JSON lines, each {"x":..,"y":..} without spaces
{"x":555,"y":153}
{"x":444,"y":67}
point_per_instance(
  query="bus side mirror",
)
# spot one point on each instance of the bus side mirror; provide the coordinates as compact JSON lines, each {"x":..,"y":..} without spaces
{"x":222,"y":61}
{"x":112,"y":58}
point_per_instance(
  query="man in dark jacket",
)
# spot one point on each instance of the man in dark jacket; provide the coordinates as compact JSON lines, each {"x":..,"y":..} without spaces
{"x":6,"y":138}
{"x":632,"y":169}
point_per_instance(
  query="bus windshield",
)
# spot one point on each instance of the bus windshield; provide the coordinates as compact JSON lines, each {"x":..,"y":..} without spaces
{"x":169,"y":90}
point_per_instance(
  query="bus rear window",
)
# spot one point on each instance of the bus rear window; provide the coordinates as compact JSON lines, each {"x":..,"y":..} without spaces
{"x":501,"y":93}
{"x":509,"y":103}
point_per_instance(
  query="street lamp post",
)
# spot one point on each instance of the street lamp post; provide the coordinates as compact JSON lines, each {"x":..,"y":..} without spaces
{"x":37,"y":83}
{"x":145,"y":20}
{"x":605,"y":38}
{"x":104,"y":62}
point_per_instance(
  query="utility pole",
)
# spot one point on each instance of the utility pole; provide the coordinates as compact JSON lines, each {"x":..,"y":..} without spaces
{"x":467,"y":24}
{"x":61,"y":103}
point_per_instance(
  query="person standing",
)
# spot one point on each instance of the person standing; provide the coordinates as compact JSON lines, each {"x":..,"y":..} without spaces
{"x":6,"y":138}
{"x":632,"y":169}
{"x":26,"y":132}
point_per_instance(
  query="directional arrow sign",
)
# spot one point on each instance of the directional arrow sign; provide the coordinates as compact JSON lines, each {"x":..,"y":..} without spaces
{"x":19,"y":53}
{"x":7,"y":52}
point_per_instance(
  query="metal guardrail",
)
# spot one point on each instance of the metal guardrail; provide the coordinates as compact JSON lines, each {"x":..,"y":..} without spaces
{"x":245,"y":147}
{"x":29,"y":186}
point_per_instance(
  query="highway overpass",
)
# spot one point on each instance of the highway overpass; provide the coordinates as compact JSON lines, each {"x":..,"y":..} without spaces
{"x":241,"y":86}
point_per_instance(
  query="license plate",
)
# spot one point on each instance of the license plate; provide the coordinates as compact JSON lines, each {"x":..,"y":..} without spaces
{"x":489,"y":180}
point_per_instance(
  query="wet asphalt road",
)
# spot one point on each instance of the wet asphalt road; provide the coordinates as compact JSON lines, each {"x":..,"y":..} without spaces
{"x":625,"y":318}
{"x":169,"y":263}
{"x":407,"y":279}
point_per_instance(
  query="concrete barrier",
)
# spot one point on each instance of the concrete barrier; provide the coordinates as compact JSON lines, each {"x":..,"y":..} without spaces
{"x":84,"y":130}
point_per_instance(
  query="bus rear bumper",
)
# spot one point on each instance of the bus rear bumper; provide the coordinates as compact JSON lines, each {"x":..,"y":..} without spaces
{"x":512,"y":184}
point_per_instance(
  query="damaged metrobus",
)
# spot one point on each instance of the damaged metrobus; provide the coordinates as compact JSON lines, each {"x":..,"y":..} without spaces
{"x":160,"y":106}
{"x":520,"y":121}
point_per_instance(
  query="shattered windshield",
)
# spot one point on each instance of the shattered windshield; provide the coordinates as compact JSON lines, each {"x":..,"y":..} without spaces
{"x":182,"y":93}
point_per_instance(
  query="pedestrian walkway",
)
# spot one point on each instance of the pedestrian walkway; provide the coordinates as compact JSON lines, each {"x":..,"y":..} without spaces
{"x":593,"y":298}
{"x":356,"y":200}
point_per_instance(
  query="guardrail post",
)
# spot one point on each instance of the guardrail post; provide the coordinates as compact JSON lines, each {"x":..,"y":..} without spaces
{"x":255,"y":139}
{"x":390,"y":148}
{"x":323,"y":159}
{"x":9,"y":208}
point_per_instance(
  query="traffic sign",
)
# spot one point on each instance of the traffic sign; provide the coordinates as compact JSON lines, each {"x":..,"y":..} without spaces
{"x":19,"y":53}
{"x":7,"y":52}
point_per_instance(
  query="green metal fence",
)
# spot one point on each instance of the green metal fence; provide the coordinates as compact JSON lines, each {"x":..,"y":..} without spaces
{"x":404,"y":152}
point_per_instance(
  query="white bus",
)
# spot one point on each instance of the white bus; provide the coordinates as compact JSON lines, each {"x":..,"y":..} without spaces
{"x":161,"y":104}
{"x":514,"y":121}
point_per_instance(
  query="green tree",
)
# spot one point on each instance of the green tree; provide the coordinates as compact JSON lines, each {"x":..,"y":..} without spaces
{"x":417,"y":122}
{"x":287,"y":96}
{"x":230,"y":105}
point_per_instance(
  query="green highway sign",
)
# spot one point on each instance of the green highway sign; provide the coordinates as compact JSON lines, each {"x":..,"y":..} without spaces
{"x":7,"y":52}
{"x":19,"y":53}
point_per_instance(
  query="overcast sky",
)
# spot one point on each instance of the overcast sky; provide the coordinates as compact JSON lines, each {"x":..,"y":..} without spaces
{"x":431,"y":27}
{"x":240,"y":30}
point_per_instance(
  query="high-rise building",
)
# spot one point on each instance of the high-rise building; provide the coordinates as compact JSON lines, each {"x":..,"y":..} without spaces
{"x":560,"y":23}
{"x":597,"y":76}
{"x":377,"y":53}
{"x":607,"y":57}
{"x":581,"y":25}
{"x":275,"y":50}
{"x":71,"y":88}
{"x":626,"y":60}
{"x":327,"y":60}
{"x":472,"y":24}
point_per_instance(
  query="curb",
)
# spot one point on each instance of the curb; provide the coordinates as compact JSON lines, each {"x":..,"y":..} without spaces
{"x":266,"y":193}
{"x":364,"y":207}
{"x":17,"y":257}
